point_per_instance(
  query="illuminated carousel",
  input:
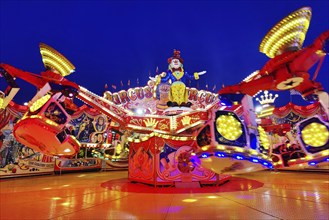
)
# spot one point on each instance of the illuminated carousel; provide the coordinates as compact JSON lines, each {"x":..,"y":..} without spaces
{"x":179,"y":135}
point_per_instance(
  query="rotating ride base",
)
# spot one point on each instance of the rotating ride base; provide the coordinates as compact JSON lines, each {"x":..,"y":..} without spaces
{"x":232,"y":160}
{"x":231,"y":165}
{"x":164,"y":162}
{"x":186,"y":181}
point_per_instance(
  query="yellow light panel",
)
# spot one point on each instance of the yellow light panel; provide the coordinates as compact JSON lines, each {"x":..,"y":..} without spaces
{"x":39,"y":103}
{"x":263,"y":137}
{"x":315,"y":134}
{"x":229,"y":127}
{"x":1,"y":102}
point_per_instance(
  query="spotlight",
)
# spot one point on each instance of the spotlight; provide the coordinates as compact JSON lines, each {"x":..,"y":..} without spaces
{"x":258,"y":109}
{"x":239,"y":157}
{"x":67,"y":150}
{"x":254,"y":160}
{"x":220,"y":155}
{"x":204,"y":155}
{"x":67,"y":91}
{"x":139,"y":111}
{"x":312,"y":163}
{"x":226,"y":102}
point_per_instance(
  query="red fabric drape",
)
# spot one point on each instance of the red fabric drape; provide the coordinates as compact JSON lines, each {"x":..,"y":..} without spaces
{"x":85,"y":109}
{"x":304,"y":111}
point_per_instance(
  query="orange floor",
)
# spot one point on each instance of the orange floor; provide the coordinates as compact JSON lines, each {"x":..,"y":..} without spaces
{"x":283,"y":195}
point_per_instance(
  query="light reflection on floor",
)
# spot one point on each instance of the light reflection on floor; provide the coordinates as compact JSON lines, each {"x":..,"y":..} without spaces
{"x":235,"y":184}
{"x":107,"y":195}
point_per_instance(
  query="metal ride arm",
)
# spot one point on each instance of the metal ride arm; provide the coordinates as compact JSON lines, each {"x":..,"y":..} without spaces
{"x":286,"y":71}
{"x":161,"y":124}
{"x":38,"y":80}
{"x":103,"y":105}
{"x":65,"y":86}
{"x":69,"y":89}
{"x":10,"y":91}
{"x":31,"y":78}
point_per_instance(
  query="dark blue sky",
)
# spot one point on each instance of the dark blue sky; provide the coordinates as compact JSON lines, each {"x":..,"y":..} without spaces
{"x":110,"y":41}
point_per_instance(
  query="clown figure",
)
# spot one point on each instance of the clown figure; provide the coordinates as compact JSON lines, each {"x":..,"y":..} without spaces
{"x":176,"y":76}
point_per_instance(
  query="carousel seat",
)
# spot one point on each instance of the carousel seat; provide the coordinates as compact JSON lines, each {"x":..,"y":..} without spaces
{"x":43,"y":128}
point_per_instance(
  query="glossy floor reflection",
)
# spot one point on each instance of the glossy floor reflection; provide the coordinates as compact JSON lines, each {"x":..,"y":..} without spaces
{"x":277,"y":195}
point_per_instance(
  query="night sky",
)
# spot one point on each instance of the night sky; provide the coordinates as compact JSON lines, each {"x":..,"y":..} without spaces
{"x":113,"y":41}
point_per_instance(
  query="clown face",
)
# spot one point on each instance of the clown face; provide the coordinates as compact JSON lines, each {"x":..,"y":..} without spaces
{"x":175,"y":64}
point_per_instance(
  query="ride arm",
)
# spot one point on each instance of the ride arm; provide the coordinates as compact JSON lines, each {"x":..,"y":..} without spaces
{"x":249,"y":88}
{"x":103,"y":105}
{"x":311,"y":54}
{"x":10,"y":91}
{"x":48,"y":81}
{"x":38,"y":81}
{"x":10,"y":73}
{"x":31,"y":78}
{"x":282,"y":70}
{"x":68,"y":88}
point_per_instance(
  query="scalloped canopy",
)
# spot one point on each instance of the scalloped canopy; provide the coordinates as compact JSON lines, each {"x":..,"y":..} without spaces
{"x":288,"y":33}
{"x":54,"y":60}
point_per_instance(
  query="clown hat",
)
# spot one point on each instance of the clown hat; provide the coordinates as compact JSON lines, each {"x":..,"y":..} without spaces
{"x":176,"y":56}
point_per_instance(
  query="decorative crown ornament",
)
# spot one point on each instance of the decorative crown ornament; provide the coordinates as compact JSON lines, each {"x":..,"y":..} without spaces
{"x":267,"y":98}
